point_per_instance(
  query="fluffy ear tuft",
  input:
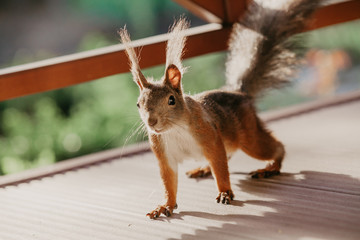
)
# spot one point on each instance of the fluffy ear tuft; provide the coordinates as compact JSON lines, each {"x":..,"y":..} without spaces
{"x":176,"y":43}
{"x":173,"y":77}
{"x":138,"y":77}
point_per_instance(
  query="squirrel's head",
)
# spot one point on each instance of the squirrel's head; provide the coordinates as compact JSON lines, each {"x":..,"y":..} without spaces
{"x":161,"y":103}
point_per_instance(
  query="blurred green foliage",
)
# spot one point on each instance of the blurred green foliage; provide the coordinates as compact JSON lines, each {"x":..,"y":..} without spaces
{"x":344,"y":36}
{"x":41,"y":129}
{"x":143,"y":15}
{"x":44,"y":128}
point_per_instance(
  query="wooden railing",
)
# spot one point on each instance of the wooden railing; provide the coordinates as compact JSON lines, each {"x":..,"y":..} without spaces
{"x":77,"y":68}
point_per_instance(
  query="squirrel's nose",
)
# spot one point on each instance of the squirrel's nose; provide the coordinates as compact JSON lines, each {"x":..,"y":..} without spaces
{"x":152,"y":121}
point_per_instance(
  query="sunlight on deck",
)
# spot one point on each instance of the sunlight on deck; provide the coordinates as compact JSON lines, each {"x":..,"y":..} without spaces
{"x":316,"y":197}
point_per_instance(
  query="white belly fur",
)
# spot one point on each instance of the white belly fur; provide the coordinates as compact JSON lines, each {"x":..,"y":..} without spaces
{"x":180,"y":145}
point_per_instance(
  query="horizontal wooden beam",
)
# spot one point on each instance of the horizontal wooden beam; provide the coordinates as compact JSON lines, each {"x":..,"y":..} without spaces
{"x":86,"y":66}
{"x":234,"y":10}
{"x":200,"y":11}
{"x":229,"y":11}
{"x":335,"y":13}
{"x":77,"y":68}
{"x":216,"y":11}
{"x":214,"y":6}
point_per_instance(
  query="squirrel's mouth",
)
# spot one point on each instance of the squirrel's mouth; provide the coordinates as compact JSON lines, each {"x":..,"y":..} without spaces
{"x":156,"y":130}
{"x":159,"y":129}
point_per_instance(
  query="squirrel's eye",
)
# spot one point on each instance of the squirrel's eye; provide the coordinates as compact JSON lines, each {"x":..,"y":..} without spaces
{"x":138,"y":105}
{"x":171,"y":100}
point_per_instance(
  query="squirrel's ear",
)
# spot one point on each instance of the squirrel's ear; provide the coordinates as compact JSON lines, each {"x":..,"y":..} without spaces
{"x":174,"y":53}
{"x":138,"y":77}
{"x":140,"y":80}
{"x":173,"y":77}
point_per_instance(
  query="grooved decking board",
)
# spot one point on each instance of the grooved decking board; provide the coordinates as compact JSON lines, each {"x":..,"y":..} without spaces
{"x":316,"y":197}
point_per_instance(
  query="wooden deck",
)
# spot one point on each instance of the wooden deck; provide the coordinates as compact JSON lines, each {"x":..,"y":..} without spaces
{"x":104,"y":196}
{"x":107,"y":195}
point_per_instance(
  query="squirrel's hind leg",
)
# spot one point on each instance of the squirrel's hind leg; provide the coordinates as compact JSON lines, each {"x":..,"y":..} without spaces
{"x":200,"y":172}
{"x":274,"y":165}
{"x":259,"y":143}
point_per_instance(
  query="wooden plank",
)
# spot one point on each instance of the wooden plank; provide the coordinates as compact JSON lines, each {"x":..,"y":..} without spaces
{"x":199,"y":11}
{"x":234,"y":10}
{"x":82,"y":67}
{"x":73,"y":164}
{"x":214,"y":6}
{"x":335,"y":14}
{"x":317,"y":196}
{"x":305,"y":108}
{"x":229,"y":11}
{"x":216,"y":11}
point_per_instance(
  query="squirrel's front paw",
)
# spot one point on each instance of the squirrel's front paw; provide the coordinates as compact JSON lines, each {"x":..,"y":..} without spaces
{"x":225,"y":197}
{"x":162,"y":209}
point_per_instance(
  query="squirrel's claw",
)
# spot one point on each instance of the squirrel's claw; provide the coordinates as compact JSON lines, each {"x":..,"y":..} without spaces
{"x":263,"y":173}
{"x":162,"y":209}
{"x":225,"y":197}
{"x":269,"y":171}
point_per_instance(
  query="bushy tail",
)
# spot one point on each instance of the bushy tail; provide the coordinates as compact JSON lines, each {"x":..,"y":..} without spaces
{"x":261,"y":57}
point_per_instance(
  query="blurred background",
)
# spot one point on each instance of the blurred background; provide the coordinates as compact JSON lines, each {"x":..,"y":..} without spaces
{"x":45,"y":128}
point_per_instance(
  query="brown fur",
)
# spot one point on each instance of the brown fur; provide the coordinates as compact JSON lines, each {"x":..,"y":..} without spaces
{"x":169,"y":179}
{"x":216,"y":123}
{"x":242,"y":129}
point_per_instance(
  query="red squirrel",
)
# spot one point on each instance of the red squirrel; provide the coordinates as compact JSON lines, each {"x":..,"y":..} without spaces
{"x":216,"y":123}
